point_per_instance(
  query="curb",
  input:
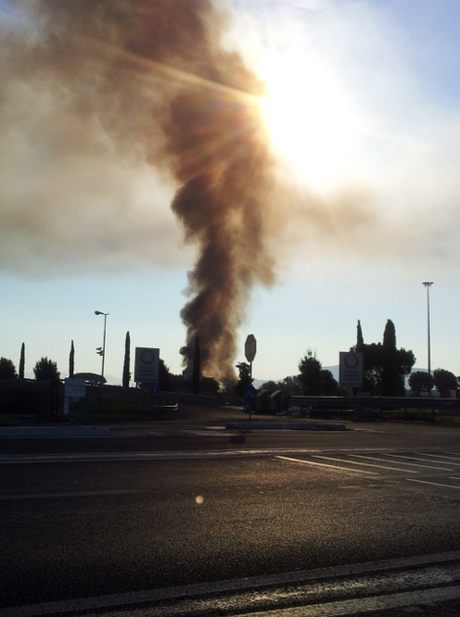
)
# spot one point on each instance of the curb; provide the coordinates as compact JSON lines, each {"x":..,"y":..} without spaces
{"x":35,"y":432}
{"x":285,"y":426}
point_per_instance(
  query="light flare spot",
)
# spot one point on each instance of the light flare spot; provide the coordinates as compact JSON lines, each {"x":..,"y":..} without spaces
{"x":199,"y":499}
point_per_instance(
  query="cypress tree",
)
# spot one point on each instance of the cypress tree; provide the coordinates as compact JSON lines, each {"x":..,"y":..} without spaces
{"x":390,"y":376}
{"x":126,"y":362}
{"x":22,"y":361}
{"x":71,"y":360}
{"x":359,"y":335}
{"x":196,"y":367}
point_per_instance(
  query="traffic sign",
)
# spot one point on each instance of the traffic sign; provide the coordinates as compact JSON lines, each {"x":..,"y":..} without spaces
{"x":146,"y":365}
{"x":250,"y":348}
{"x":249,"y":394}
{"x":351,"y":369}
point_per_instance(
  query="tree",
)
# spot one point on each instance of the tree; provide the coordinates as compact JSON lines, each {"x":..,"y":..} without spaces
{"x":7,"y":369}
{"x":196,"y":367}
{"x":310,"y":374}
{"x":444,"y":381}
{"x":328,"y":383}
{"x":71,"y":359}
{"x":244,"y":370}
{"x":165,"y":378}
{"x":46,"y":369}
{"x":126,"y":362}
{"x":292,"y":385}
{"x":22,"y":361}
{"x":391,"y":381}
{"x":209,"y":384}
{"x":271,"y":386}
{"x":421,"y":383}
{"x":93,"y":378}
{"x":359,"y":336}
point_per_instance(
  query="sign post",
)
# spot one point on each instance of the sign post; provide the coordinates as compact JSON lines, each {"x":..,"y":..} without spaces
{"x":351,"y":369}
{"x":249,"y":396}
{"x":73,"y":389}
{"x":250,"y":350}
{"x":146,"y":365}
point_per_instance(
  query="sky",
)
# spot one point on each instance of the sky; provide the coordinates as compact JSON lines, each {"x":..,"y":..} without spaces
{"x":363,"y":108}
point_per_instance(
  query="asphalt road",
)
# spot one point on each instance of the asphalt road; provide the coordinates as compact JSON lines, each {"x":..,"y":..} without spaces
{"x":237,"y":506}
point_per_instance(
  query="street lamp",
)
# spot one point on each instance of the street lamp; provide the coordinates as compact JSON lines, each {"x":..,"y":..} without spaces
{"x":428,"y":285}
{"x":101,"y":350}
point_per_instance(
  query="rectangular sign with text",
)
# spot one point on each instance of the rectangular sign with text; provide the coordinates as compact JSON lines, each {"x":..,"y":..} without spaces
{"x":146,"y":365}
{"x":351,"y":369}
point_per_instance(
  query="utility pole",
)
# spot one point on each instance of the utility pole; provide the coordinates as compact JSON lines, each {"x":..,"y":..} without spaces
{"x":428,"y":285}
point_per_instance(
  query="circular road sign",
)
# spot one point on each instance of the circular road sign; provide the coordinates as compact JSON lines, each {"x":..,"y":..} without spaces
{"x":147,"y":357}
{"x":351,"y":361}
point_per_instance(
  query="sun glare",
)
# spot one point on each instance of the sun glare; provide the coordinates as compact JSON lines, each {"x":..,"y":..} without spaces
{"x":310,"y":121}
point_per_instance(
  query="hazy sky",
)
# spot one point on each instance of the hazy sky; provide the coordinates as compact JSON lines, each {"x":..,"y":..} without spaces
{"x":365,"y":119}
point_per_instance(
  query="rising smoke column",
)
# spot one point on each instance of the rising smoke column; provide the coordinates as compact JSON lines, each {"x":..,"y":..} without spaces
{"x":155,"y":75}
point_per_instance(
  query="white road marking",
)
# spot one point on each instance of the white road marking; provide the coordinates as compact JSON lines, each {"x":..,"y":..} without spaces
{"x":197,"y":589}
{"x":341,"y":460}
{"x":375,"y":458}
{"x":415,"y":464}
{"x":417,"y":458}
{"x":433,"y":483}
{"x":366,"y":605}
{"x":58,"y":495}
{"x":296,"y":460}
{"x":449,"y":459}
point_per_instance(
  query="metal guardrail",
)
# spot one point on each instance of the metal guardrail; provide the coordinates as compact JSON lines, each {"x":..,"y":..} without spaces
{"x":445,"y":406}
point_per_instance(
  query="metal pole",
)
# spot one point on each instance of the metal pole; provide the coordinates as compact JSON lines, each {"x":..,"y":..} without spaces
{"x":428,"y":285}
{"x":103,"y":343}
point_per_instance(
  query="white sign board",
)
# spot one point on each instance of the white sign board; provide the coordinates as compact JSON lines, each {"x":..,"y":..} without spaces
{"x":351,"y":369}
{"x":250,"y":348}
{"x":146,"y":365}
{"x":75,"y":388}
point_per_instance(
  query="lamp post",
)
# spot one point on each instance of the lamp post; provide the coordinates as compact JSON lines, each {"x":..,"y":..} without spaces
{"x":101,"y":350}
{"x":428,"y":285}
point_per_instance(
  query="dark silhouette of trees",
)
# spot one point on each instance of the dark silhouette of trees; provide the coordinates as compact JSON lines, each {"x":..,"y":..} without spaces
{"x":244,"y":370}
{"x":209,"y":384}
{"x":310,"y":374}
{"x":421,"y":383}
{"x":7,"y":369}
{"x":292,"y":385}
{"x":271,"y":386}
{"x":126,"y":362}
{"x":385,"y":367}
{"x":328,"y":383}
{"x":359,"y":336}
{"x":196,"y":367}
{"x":391,"y":381}
{"x":165,"y":378}
{"x":46,"y":369}
{"x":71,"y":359}
{"x":444,"y":381}
{"x":22,"y":361}
{"x":93,"y":378}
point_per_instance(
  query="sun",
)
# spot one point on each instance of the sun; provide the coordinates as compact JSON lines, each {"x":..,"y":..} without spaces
{"x":311,"y":122}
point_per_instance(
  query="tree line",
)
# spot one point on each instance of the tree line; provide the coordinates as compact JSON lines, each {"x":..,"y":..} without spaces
{"x":386,"y":368}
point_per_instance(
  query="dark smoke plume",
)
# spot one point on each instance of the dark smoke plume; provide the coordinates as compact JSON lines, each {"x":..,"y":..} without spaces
{"x":153,"y":75}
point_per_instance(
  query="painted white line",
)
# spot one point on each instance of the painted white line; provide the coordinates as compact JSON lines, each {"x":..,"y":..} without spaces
{"x":457,"y":454}
{"x":341,"y":460}
{"x":449,"y":459}
{"x":453,"y":478}
{"x":366,"y":605}
{"x":411,"y":464}
{"x":433,"y":483}
{"x":417,"y":458}
{"x":238,"y":584}
{"x":296,"y":460}
{"x":375,"y":458}
{"x":58,"y":495}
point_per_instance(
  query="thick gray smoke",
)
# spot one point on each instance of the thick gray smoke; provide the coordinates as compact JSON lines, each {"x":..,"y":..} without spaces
{"x":154,"y":78}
